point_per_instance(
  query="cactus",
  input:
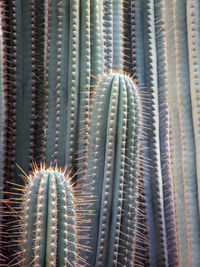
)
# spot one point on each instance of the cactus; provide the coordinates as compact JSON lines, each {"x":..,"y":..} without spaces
{"x":112,"y":169}
{"x":49,"y":219}
{"x":182,"y":138}
{"x":63,"y":92}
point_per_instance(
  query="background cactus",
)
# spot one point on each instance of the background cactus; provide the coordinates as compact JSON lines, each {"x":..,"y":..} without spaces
{"x":54,"y":54}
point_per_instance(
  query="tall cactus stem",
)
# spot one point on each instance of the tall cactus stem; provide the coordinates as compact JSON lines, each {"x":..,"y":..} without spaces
{"x":193,"y":31}
{"x":187,"y":134}
{"x":110,"y":169}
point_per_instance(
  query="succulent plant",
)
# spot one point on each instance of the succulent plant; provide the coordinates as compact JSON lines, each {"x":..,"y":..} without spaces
{"x":113,"y":169}
{"x":49,"y":218}
{"x":65,"y":100}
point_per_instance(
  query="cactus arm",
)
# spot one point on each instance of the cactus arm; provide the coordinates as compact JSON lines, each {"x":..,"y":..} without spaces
{"x":193,"y":31}
{"x":63,"y":8}
{"x":73,"y":81}
{"x":187,"y":134}
{"x":118,"y":52}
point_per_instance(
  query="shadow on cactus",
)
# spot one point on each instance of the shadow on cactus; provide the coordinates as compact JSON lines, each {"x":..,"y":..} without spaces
{"x":48,"y":219}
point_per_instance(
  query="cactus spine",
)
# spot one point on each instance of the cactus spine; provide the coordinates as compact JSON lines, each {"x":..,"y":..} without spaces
{"x":50,"y":216}
{"x":112,"y":169}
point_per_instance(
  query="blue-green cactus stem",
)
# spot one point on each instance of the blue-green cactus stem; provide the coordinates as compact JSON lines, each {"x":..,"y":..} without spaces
{"x":138,"y":72}
{"x":97,"y":40}
{"x":24,"y":97}
{"x":115,"y":116}
{"x":127,"y":35}
{"x":113,"y":35}
{"x":193,"y":31}
{"x":51,"y":67}
{"x":49,"y":220}
{"x":63,"y":20}
{"x":175,"y":142}
{"x":168,"y":194}
{"x":108,"y":33}
{"x":159,"y":255}
{"x":187,"y":136}
{"x":85,"y":70}
{"x":73,"y":80}
{"x":118,"y":45}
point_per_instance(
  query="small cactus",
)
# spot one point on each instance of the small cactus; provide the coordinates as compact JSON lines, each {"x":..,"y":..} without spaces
{"x":49,"y":220}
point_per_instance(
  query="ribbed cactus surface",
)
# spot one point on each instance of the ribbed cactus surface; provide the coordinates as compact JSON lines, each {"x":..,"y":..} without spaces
{"x":49,"y":220}
{"x":113,"y":169}
{"x":133,"y":138}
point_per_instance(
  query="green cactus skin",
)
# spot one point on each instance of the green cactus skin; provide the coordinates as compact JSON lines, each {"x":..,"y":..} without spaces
{"x":85,"y":69}
{"x":186,"y":201}
{"x":18,"y":78}
{"x":167,"y":179}
{"x":148,"y":58}
{"x":113,"y":35}
{"x":49,"y":220}
{"x":193,"y":31}
{"x":97,"y":41}
{"x":112,"y":170}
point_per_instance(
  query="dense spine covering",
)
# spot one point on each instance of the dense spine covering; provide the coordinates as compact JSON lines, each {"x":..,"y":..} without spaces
{"x":112,"y":169}
{"x":52,"y":55}
{"x":149,"y":70}
{"x":49,"y":220}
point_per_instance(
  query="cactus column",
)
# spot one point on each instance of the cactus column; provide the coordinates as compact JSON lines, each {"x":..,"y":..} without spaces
{"x":49,"y":220}
{"x":112,"y":170}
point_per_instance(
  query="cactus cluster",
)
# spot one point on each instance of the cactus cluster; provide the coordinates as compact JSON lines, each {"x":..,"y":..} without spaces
{"x":111,"y":89}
